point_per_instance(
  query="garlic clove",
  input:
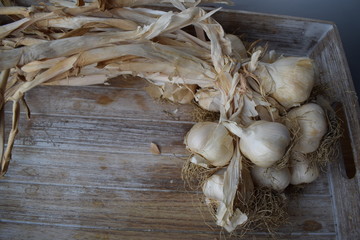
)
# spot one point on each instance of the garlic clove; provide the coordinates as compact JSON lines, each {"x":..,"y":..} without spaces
{"x":313,"y":126}
{"x":277,"y":179}
{"x":302,"y":171}
{"x":212,"y":141}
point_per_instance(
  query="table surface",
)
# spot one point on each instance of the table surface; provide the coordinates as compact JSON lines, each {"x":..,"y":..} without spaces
{"x":82,"y":169}
{"x":345,"y":14}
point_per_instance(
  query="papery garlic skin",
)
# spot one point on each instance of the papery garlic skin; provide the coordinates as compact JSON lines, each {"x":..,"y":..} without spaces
{"x":211,"y":141}
{"x":238,"y":48}
{"x":179,"y":93}
{"x":302,"y":171}
{"x":213,"y":186}
{"x":277,"y":179}
{"x":289,"y":79}
{"x":209,"y":99}
{"x":264,"y":143}
{"x":313,"y":126}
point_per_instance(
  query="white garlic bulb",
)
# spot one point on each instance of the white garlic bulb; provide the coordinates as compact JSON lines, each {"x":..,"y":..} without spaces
{"x":313,"y":126}
{"x":209,"y":99}
{"x":277,"y":179}
{"x":302,"y":171}
{"x":263,"y":143}
{"x":289,"y":79}
{"x":213,"y":186}
{"x":211,"y":141}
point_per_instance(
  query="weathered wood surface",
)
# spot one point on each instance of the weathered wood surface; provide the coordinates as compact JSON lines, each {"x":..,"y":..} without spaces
{"x":84,"y":172}
{"x":82,"y":167}
{"x":346,"y":192}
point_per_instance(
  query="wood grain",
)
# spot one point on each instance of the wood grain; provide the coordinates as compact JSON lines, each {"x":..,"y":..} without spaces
{"x":331,"y":60}
{"x":133,"y":209}
{"x":113,"y":102}
{"x":117,"y":170}
{"x":34,"y":231}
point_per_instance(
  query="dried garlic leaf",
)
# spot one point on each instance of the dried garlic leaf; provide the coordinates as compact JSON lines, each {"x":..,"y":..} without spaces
{"x":154,"y":149}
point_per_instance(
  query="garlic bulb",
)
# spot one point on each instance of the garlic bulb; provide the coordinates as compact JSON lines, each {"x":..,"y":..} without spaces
{"x":289,"y":79}
{"x":209,"y":99}
{"x":277,"y":179}
{"x":302,"y":171}
{"x":313,"y":126}
{"x":213,"y":186}
{"x":211,"y":141}
{"x":263,"y":143}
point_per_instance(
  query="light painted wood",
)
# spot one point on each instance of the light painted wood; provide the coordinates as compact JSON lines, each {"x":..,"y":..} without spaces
{"x":35,"y":231}
{"x":117,"y":170}
{"x":113,"y":102}
{"x":132,"y":209}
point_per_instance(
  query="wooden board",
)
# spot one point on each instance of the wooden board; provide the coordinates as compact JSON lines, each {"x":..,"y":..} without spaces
{"x":82,"y":166}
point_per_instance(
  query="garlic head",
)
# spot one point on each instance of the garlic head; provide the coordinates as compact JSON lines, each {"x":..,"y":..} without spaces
{"x":277,"y":179}
{"x":302,"y":171}
{"x":211,"y":141}
{"x":313,"y":126}
{"x":289,"y":79}
{"x":264,"y":143}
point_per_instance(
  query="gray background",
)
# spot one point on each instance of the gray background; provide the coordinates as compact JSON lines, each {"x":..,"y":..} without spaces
{"x":344,"y":13}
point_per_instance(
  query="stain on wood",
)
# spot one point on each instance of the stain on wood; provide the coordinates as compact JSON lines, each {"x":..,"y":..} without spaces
{"x":104,"y":100}
{"x":311,"y":226}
